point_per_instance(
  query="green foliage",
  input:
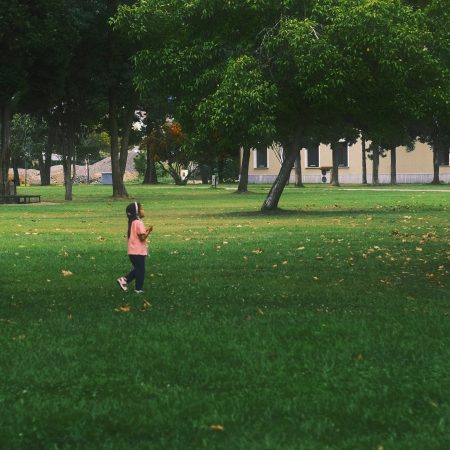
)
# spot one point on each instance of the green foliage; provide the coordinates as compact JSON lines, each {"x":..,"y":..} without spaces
{"x":240,"y":113}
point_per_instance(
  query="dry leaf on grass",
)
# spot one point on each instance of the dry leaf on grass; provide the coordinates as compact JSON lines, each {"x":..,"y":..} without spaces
{"x":124,"y":308}
{"x":66,"y":273}
{"x":217,"y":427}
{"x":146,"y":305}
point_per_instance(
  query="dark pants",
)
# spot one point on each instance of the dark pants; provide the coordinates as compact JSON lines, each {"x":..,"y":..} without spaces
{"x":138,"y":271}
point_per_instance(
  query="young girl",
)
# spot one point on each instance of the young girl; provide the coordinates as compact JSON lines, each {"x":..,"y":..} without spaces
{"x":137,"y":247}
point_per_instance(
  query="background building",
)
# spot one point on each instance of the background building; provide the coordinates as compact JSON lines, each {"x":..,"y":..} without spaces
{"x":412,"y":166}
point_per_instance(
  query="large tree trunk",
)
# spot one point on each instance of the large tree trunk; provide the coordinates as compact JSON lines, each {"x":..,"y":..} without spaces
{"x":150,"y":176}
{"x":243,"y":179}
{"x":436,"y":163}
{"x":119,"y":190}
{"x":5,"y":145}
{"x":375,"y":166}
{"x":298,"y":170}
{"x":273,"y":197}
{"x":335,"y":169}
{"x":364,"y":160}
{"x":128,"y":123}
{"x":393,"y":165}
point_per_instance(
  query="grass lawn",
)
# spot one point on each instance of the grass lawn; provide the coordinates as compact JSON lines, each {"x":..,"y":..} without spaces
{"x":323,"y":326}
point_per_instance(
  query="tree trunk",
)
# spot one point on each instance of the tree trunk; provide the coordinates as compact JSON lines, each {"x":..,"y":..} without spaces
{"x":128,"y":123}
{"x":68,"y":154}
{"x":393,"y":165}
{"x":243,"y":179}
{"x":45,"y":162}
{"x":5,"y":145}
{"x":273,"y":197}
{"x":375,"y":166}
{"x":436,"y":164}
{"x":298,"y":170}
{"x":220,"y":167}
{"x":16,"y":175}
{"x":205,"y":173}
{"x":119,"y":190}
{"x":364,"y":160}
{"x":67,"y":177}
{"x":150,"y":176}
{"x":45,"y":171}
{"x":335,"y":169}
{"x":74,"y":164}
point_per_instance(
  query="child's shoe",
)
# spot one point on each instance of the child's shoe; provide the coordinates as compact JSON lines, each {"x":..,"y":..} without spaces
{"x":136,"y":291}
{"x":122,"y":283}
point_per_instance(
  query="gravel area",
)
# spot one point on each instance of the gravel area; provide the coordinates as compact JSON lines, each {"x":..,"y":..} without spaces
{"x":95,"y":172}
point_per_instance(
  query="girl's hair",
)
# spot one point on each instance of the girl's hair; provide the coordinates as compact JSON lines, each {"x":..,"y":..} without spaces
{"x":132,"y":214}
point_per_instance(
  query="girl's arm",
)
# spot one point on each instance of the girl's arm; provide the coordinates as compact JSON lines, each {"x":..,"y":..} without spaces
{"x":144,"y":236}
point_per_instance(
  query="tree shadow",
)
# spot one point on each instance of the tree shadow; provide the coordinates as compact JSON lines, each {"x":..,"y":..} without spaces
{"x":335,"y":212}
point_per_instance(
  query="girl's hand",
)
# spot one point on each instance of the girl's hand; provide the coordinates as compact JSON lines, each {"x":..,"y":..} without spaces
{"x":149,"y":229}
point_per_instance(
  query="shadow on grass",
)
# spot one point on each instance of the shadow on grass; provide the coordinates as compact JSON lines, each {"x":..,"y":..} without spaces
{"x":332,"y":212}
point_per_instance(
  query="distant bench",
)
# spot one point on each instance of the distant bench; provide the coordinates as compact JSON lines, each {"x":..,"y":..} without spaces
{"x":20,"y":199}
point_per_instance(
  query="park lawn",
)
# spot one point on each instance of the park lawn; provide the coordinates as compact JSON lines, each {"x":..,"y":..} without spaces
{"x":325,"y":325}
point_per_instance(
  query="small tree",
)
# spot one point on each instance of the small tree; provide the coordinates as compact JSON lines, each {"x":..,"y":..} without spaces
{"x":165,"y":146}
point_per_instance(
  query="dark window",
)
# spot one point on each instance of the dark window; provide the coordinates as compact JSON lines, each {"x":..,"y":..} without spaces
{"x":342,"y":150}
{"x":445,"y":159}
{"x":313,"y":157}
{"x":261,"y":159}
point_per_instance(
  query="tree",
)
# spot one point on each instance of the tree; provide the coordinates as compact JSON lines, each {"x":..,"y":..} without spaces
{"x":17,"y":35}
{"x":433,"y":125}
{"x":355,"y":63}
{"x":165,"y":146}
{"x":28,"y":141}
{"x":239,"y":114}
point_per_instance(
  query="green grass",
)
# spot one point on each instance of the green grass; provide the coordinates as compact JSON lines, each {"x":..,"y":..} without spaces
{"x":323,"y":326}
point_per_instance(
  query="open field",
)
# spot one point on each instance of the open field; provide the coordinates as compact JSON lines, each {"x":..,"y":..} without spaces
{"x":323,"y":326}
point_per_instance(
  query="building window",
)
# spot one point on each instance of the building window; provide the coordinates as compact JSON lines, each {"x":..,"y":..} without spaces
{"x":312,"y":157}
{"x":445,"y":159}
{"x":342,"y":149}
{"x":261,"y":159}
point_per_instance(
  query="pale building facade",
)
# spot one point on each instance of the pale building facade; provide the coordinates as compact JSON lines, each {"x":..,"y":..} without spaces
{"x":412,"y":166}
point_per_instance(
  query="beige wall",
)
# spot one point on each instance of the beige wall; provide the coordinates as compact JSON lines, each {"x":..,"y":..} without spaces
{"x":412,"y":167}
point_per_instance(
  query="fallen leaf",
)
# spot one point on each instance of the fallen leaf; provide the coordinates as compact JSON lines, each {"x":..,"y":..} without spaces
{"x":217,"y":427}
{"x":145,"y":305}
{"x":66,"y":273}
{"x":124,"y":308}
{"x":257,"y":251}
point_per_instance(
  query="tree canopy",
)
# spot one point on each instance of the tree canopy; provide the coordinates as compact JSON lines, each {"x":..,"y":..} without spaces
{"x":234,"y":74}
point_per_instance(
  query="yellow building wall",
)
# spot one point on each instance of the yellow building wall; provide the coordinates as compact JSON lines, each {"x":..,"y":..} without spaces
{"x":412,"y":167}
